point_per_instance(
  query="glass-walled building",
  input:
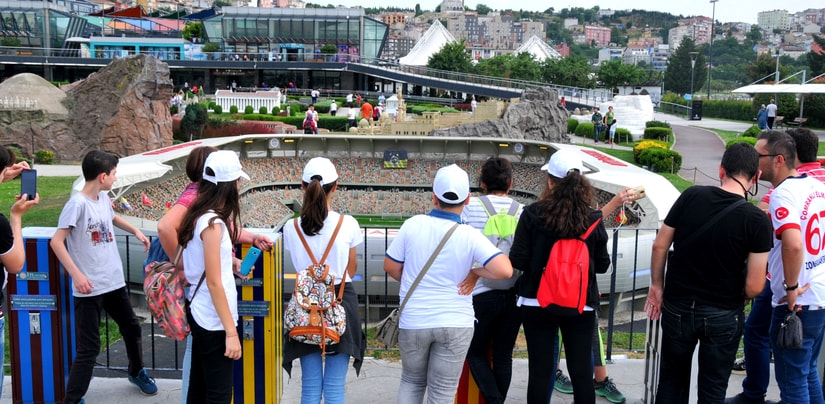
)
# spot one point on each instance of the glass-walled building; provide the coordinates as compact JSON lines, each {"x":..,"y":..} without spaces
{"x":38,"y":25}
{"x":297,"y":34}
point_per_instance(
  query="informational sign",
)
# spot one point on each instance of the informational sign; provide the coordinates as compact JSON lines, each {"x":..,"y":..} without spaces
{"x":33,"y":302}
{"x":254,"y":309}
{"x":33,"y":276}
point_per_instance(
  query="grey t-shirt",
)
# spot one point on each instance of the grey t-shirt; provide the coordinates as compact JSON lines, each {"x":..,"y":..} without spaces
{"x":91,"y":242}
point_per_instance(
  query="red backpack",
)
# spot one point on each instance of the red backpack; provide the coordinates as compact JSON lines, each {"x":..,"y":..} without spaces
{"x":564,"y":283}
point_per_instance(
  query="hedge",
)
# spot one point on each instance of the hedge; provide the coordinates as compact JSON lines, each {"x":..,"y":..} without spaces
{"x":657,"y":124}
{"x":572,"y":123}
{"x":585,"y":130}
{"x":660,"y":160}
{"x":743,"y":139}
{"x":645,"y":144}
{"x":753,"y":132}
{"x":622,"y":133}
{"x":657,"y":133}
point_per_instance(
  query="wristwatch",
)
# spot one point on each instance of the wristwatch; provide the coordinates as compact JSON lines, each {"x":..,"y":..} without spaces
{"x":789,"y":288}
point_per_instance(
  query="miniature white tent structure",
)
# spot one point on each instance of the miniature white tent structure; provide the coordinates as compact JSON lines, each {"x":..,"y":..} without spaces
{"x":431,"y":42}
{"x":540,"y":50}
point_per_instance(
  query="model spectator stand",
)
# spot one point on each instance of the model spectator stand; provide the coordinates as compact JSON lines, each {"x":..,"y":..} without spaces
{"x":258,"y":374}
{"x":41,"y":323}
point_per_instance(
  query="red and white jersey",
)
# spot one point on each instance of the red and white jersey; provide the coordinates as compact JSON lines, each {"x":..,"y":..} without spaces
{"x":813,"y":170}
{"x":799,"y":203}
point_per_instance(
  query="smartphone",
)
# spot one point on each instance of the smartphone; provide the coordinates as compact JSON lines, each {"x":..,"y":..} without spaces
{"x":249,"y":260}
{"x":28,"y":183}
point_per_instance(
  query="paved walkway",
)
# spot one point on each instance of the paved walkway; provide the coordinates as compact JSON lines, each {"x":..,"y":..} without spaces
{"x":701,"y":149}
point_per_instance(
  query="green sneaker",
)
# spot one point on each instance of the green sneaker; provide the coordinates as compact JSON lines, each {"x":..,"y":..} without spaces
{"x":608,"y":390}
{"x":562,"y":383}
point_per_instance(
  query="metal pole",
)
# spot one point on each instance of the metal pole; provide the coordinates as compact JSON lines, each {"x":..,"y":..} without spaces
{"x":710,"y":52}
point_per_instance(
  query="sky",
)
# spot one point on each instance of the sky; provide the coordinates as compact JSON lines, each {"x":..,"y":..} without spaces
{"x":726,"y":10}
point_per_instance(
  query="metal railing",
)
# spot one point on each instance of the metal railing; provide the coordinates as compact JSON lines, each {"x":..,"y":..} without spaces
{"x":674,"y":109}
{"x":378,"y":294}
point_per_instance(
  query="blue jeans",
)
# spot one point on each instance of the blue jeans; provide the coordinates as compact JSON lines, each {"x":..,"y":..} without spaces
{"x":717,"y":331}
{"x":431,"y":361}
{"x":795,"y":369}
{"x":187,"y":368}
{"x":323,"y":377}
{"x":597,"y":132}
{"x":496,"y":329}
{"x":758,"y":346}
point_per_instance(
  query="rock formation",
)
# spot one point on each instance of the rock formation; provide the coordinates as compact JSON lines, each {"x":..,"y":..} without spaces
{"x":122,"y":109}
{"x":536,"y":116}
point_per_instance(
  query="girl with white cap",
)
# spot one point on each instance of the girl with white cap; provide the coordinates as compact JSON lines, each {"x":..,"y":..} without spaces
{"x":325,"y":375}
{"x":209,"y":229}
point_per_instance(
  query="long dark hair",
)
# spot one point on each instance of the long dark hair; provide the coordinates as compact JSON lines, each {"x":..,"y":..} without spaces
{"x":565,"y":206}
{"x":222,"y":198}
{"x":196,"y":160}
{"x":315,"y":209}
{"x":7,"y":157}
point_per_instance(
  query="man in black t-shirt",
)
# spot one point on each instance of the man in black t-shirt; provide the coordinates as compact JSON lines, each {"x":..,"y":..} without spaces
{"x":710,"y":275}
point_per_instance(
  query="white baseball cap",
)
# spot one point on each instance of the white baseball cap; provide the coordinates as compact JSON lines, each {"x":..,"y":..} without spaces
{"x":451,"y":184}
{"x":322,"y":167}
{"x":561,"y":162}
{"x":226,"y":166}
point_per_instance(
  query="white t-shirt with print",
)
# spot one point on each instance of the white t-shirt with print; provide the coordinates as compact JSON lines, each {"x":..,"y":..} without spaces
{"x":475,"y":215}
{"x":201,"y":305}
{"x":348,"y":237}
{"x":436,"y":302}
{"x":799,"y":203}
{"x":91,"y":242}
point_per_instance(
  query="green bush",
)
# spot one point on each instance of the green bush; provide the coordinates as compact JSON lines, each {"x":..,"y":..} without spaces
{"x":753,"y":132}
{"x":585,"y":130}
{"x":296,"y":109}
{"x":658,"y":133}
{"x":262,"y":110}
{"x":217,"y":109}
{"x":657,"y":124}
{"x":571,"y":125}
{"x":622,"y":133}
{"x":211,"y":105}
{"x":322,"y":107}
{"x":743,"y":139}
{"x":173,"y":109}
{"x":248,"y":109}
{"x":646,"y":144}
{"x":276,"y":110}
{"x":661,"y":160}
{"x":233,"y":109}
{"x":44,"y":156}
{"x":19,"y":154}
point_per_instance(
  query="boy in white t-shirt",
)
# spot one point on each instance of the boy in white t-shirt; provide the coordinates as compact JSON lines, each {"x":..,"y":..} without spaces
{"x":91,"y":258}
{"x":436,"y":324}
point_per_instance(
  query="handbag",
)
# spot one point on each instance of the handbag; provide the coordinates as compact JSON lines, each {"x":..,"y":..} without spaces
{"x":314,"y":314}
{"x":163,"y":289}
{"x":790,"y":332}
{"x":386,"y":332}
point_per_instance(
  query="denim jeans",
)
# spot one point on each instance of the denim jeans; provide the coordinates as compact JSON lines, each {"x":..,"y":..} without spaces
{"x":795,"y":369}
{"x":541,"y":332}
{"x":87,"y":312}
{"x":496,"y":329}
{"x":717,"y":331}
{"x":758,"y":346}
{"x":187,"y":369}
{"x":431,"y":361}
{"x":211,"y":376}
{"x":326,"y":377}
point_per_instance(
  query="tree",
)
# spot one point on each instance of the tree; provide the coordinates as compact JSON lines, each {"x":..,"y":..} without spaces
{"x":616,"y":73}
{"x":11,"y":41}
{"x":453,"y":57}
{"x":482,"y":9}
{"x":193,"y":30}
{"x":191,"y":126}
{"x":570,"y":71}
{"x":329,"y":49}
{"x":418,"y":10}
{"x":678,"y":72}
{"x":816,"y":61}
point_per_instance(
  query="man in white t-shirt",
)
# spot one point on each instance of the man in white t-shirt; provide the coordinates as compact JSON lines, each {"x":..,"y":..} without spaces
{"x":771,"y":113}
{"x":796,"y":265}
{"x":436,"y":324}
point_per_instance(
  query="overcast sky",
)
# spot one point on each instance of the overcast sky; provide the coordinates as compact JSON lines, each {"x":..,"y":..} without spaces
{"x":726,"y":10}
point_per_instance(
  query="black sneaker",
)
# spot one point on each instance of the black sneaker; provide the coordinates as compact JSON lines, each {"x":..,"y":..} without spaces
{"x":741,"y":399}
{"x":739,"y":366}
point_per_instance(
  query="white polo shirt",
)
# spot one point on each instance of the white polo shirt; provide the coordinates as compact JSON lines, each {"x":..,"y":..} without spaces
{"x":436,"y":301}
{"x":475,"y":215}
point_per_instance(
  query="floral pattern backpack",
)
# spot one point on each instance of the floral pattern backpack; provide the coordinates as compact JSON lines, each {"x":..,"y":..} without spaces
{"x":315,"y":314}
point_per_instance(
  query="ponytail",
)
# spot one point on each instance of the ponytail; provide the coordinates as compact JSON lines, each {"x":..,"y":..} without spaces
{"x":315,"y":208}
{"x":565,"y":207}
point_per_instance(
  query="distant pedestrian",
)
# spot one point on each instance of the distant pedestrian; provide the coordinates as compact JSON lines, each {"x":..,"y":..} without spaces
{"x":351,"y":117}
{"x":608,"y":120}
{"x":563,"y":102}
{"x":762,"y":118}
{"x":771,"y":113}
{"x":234,"y":86}
{"x":598,"y":125}
{"x":349,"y":100}
{"x":333,"y":108}
{"x":314,"y":94}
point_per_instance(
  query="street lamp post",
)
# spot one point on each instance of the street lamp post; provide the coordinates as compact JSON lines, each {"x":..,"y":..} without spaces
{"x":692,"y":67}
{"x":710,"y":52}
